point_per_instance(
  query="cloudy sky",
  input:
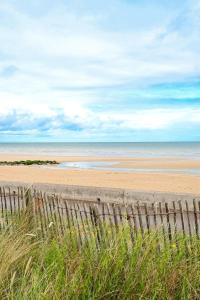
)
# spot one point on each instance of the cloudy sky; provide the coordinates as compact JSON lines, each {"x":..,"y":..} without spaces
{"x":117,"y":70}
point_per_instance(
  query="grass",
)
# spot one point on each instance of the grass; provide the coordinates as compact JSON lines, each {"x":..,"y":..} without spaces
{"x":28,"y":162}
{"x":32,"y":267}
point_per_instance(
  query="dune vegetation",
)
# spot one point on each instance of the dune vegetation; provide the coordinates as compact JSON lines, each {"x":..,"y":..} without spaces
{"x":28,"y":162}
{"x":56,"y":267}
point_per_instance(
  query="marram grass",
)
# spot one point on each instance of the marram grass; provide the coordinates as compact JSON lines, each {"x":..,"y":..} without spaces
{"x":32,"y":267}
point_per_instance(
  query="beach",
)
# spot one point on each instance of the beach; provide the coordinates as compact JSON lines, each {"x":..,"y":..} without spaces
{"x":147,"y":174}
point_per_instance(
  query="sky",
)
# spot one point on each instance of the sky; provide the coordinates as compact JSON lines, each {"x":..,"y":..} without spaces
{"x":88,"y":71}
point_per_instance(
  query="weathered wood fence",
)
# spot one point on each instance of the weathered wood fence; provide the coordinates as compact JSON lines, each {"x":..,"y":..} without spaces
{"x":51,"y":212}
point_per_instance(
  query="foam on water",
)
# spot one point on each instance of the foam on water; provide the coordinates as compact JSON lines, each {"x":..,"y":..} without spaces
{"x":110,"y":166}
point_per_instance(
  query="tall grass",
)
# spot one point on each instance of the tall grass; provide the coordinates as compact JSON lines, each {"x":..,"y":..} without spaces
{"x":34,"y":267}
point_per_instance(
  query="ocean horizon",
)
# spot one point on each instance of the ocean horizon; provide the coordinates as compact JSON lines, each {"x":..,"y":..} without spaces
{"x":105,"y":149}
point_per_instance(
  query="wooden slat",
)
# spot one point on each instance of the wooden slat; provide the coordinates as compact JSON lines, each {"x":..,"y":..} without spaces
{"x":89,"y":218}
{"x":114,"y":212}
{"x":140,"y":218}
{"x":134,"y":220}
{"x":2,"y":208}
{"x":43,"y":212}
{"x":18,"y":201}
{"x":174,"y":215}
{"x":110,"y":219}
{"x":77,"y":227}
{"x":128,"y":212}
{"x":59,"y":215}
{"x":182,"y":219}
{"x":147,"y":218}
{"x":96,"y":223}
{"x":41,"y":218}
{"x":47,"y":212}
{"x":68,"y":219}
{"x":168,"y":222}
{"x":154,"y":215}
{"x":5,"y":205}
{"x":10,"y":201}
{"x":14,"y":204}
{"x":161,"y":220}
{"x":83,"y":224}
{"x":188,"y":219}
{"x":195,"y":218}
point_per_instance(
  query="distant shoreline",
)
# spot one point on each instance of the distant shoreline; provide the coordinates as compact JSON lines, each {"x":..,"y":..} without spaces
{"x":183,"y":150}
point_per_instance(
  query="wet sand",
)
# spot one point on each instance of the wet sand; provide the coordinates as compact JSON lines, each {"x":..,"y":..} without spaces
{"x":144,"y":181}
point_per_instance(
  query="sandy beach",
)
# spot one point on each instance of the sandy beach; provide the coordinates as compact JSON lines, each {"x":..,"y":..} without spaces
{"x":166,"y":181}
{"x":120,"y":162}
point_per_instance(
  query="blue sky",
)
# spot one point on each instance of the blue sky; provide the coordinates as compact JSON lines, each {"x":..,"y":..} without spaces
{"x":118,"y":70}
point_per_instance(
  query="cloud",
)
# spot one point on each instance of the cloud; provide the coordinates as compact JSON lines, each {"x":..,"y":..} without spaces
{"x":98,"y":66}
{"x":8,"y":71}
{"x":74,"y":48}
{"x":79,"y":119}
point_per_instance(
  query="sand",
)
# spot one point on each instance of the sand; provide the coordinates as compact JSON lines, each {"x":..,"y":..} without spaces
{"x":120,"y":162}
{"x":163,"y":182}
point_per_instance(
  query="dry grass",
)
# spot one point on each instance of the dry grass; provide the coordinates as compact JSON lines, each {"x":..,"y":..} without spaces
{"x":32,"y":267}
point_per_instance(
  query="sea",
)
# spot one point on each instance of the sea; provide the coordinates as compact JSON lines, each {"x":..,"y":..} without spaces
{"x":130,"y":149}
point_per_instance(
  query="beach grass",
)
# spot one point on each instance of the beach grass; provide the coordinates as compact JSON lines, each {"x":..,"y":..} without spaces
{"x":55,"y":267}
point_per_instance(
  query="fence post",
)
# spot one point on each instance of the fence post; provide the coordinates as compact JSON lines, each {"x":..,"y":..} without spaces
{"x":195,"y":218}
{"x":29,"y":208}
{"x":140,"y":219}
{"x":168,"y":222}
{"x":96,"y":223}
{"x":147,"y":217}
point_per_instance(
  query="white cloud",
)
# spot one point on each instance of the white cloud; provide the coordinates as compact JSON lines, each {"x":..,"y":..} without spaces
{"x":75,"y":116}
{"x":63,"y":42}
{"x":154,"y":119}
{"x":63,"y":57}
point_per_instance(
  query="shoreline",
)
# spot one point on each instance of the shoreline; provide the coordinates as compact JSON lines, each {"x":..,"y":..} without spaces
{"x":144,"y":181}
{"x":118,"y":162}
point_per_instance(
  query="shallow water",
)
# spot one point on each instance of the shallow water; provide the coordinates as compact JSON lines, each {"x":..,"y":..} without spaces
{"x":110,"y":166}
{"x":176,"y":149}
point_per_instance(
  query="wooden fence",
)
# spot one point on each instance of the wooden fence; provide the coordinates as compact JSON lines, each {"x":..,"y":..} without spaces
{"x":51,"y":212}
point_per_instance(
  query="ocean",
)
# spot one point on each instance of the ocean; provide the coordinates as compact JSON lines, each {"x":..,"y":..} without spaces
{"x":156,"y":149}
